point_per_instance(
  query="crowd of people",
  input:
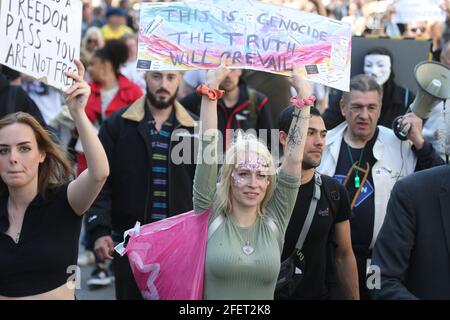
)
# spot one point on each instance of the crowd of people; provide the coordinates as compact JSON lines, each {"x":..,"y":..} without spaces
{"x":321,"y":184}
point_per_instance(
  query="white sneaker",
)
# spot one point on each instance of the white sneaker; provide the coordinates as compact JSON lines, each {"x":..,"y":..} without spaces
{"x":86,"y":258}
{"x":99,"y":277}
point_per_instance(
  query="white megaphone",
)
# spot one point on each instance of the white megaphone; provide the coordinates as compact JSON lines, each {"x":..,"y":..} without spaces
{"x":433,"y":80}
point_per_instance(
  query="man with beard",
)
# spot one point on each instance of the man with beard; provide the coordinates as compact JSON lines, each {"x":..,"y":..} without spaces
{"x":146,"y":183}
{"x":329,"y":225}
{"x":369,"y":159}
{"x":239,"y":108}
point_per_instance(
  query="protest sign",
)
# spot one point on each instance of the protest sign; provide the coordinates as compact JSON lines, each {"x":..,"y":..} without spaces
{"x":254,"y":35}
{"x":419,"y":10}
{"x":41,"y":38}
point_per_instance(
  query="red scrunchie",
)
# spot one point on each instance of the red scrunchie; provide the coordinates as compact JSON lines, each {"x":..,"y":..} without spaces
{"x":212,"y":94}
{"x":300,"y":103}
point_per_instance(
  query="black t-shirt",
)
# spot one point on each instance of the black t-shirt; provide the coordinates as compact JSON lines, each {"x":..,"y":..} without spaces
{"x":362,"y":222}
{"x":313,"y":285}
{"x":48,"y":246}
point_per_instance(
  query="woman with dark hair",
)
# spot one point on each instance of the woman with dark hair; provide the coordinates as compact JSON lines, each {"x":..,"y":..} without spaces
{"x":378,"y":64}
{"x":111,"y":90}
{"x":40,"y":207}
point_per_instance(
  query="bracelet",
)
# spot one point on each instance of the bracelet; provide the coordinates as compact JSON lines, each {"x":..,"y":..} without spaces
{"x":212,"y":94}
{"x":300,"y":103}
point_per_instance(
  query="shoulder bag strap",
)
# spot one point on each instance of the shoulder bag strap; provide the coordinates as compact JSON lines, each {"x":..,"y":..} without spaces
{"x":311,"y":211}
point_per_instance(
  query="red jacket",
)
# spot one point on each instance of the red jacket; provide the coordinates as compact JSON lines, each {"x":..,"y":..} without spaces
{"x":127,"y":94}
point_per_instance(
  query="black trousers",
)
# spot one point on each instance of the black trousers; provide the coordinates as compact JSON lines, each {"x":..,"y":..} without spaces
{"x":126,"y":288}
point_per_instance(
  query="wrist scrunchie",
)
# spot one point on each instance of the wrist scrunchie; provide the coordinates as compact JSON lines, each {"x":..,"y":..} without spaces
{"x":300,"y":103}
{"x":212,"y":94}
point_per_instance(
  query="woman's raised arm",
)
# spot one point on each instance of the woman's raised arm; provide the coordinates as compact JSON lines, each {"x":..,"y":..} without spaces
{"x":82,"y":191}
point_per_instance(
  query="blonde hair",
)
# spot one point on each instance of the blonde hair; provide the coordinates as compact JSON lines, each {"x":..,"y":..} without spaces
{"x":246,"y":144}
{"x":98,"y":34}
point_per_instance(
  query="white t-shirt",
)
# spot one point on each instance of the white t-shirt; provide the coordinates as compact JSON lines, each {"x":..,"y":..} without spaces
{"x":106,"y":96}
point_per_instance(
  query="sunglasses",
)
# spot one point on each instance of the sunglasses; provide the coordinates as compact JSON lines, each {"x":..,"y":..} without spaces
{"x":92,"y":41}
{"x":422,"y":29}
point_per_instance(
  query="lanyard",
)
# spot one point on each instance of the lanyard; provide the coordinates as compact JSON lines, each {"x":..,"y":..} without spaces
{"x":357,"y":180}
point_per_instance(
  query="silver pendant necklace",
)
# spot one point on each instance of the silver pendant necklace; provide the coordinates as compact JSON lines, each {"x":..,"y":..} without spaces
{"x":247,"y":248}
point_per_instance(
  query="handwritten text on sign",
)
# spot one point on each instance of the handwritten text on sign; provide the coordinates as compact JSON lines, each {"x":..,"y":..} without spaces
{"x":41,"y":38}
{"x":407,"y":11}
{"x":259,"y":36}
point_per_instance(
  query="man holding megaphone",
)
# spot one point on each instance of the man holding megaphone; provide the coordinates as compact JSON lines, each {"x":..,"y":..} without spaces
{"x":369,"y":159}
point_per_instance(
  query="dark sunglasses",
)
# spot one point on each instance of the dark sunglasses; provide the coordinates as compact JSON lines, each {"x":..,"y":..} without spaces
{"x":422,"y":29}
{"x":92,"y":41}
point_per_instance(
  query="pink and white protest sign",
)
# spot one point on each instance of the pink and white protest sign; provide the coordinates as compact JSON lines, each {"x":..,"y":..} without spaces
{"x":255,"y":35}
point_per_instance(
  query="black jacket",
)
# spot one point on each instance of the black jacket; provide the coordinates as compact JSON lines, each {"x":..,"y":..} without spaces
{"x":127,"y":194}
{"x":14,"y":99}
{"x":412,"y":251}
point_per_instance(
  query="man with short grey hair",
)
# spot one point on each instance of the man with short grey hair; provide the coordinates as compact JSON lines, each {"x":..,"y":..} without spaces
{"x":369,"y":159}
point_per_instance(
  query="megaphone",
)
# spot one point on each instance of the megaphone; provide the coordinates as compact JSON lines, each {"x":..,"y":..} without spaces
{"x":433,"y":80}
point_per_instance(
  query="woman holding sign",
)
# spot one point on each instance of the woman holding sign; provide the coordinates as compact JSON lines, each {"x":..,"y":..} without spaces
{"x":40,"y":208}
{"x":251,"y":204}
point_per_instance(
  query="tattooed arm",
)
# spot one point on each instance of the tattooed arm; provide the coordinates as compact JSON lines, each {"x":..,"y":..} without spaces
{"x":293,"y":158}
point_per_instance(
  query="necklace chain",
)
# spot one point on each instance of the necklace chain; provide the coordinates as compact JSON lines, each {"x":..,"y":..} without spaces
{"x":15,"y":235}
{"x":247,"y":248}
{"x":357,"y":181}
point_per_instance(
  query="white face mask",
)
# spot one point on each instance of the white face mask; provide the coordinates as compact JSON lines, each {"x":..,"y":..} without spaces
{"x":378,"y":66}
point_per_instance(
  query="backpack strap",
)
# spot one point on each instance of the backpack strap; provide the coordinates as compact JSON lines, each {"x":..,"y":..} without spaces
{"x":311,"y":211}
{"x":312,"y":208}
{"x":331,"y":189}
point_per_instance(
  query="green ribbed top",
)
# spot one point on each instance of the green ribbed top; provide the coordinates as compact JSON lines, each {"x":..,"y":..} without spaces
{"x":229,"y":272}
